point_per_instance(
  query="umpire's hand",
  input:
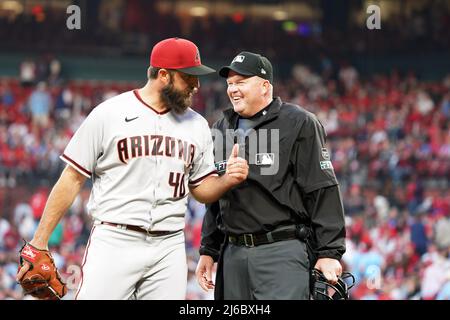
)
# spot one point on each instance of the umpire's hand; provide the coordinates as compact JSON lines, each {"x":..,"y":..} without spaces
{"x":331,"y":269}
{"x":204,"y":272}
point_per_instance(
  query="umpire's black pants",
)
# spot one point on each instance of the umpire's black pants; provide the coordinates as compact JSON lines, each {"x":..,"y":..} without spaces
{"x":275,"y":271}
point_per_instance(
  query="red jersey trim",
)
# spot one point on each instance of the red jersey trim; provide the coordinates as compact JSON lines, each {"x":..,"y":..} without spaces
{"x":136,"y":93}
{"x":77,"y":166}
{"x":202,"y":178}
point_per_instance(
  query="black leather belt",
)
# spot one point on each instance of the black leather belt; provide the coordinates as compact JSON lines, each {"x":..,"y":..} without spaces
{"x":252,"y":240}
{"x":155,"y":233}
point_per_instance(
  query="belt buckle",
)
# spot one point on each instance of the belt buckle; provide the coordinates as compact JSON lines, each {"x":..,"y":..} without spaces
{"x":249,"y":243}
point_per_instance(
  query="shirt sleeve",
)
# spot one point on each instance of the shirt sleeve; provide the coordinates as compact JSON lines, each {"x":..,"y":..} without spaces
{"x":327,"y":222}
{"x":312,"y":161}
{"x":203,"y":164}
{"x":85,"y":146}
{"x":212,"y":236}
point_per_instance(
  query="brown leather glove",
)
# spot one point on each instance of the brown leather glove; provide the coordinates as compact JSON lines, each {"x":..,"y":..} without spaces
{"x":42,"y":280}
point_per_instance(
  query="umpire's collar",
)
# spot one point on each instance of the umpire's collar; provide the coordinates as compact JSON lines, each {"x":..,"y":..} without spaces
{"x":266,"y":114}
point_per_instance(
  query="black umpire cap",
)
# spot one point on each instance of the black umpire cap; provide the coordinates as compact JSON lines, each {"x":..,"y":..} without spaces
{"x":249,"y":64}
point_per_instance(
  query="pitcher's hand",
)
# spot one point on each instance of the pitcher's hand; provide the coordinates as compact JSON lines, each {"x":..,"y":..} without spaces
{"x":237,"y":168}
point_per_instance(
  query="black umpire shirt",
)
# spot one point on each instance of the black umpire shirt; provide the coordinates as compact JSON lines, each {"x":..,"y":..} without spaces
{"x":290,"y":181}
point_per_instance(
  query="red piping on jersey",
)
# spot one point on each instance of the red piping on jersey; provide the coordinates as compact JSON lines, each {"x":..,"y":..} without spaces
{"x":136,"y":93}
{"x":77,"y":165}
{"x":200,"y":179}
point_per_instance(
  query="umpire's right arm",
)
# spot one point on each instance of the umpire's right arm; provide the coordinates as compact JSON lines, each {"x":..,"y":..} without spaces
{"x":212,"y":239}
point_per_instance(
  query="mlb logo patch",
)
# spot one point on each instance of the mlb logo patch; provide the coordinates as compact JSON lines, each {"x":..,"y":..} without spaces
{"x":238,"y":58}
{"x":264,"y":159}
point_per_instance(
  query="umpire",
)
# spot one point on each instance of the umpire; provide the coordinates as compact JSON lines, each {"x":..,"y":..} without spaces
{"x":268,"y":232}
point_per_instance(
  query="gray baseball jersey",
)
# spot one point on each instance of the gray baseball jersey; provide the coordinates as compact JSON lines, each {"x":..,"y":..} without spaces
{"x":141,"y":161}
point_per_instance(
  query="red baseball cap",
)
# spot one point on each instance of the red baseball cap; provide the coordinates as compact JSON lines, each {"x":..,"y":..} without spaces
{"x":178,"y":54}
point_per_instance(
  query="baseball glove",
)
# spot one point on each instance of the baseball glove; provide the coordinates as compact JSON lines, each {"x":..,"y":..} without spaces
{"x":42,"y":280}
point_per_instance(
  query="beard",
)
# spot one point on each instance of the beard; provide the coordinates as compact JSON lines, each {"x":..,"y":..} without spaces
{"x":176,"y":100}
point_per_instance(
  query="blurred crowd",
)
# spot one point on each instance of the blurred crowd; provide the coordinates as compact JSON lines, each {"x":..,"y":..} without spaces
{"x":125,"y":27}
{"x":389,"y":137}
